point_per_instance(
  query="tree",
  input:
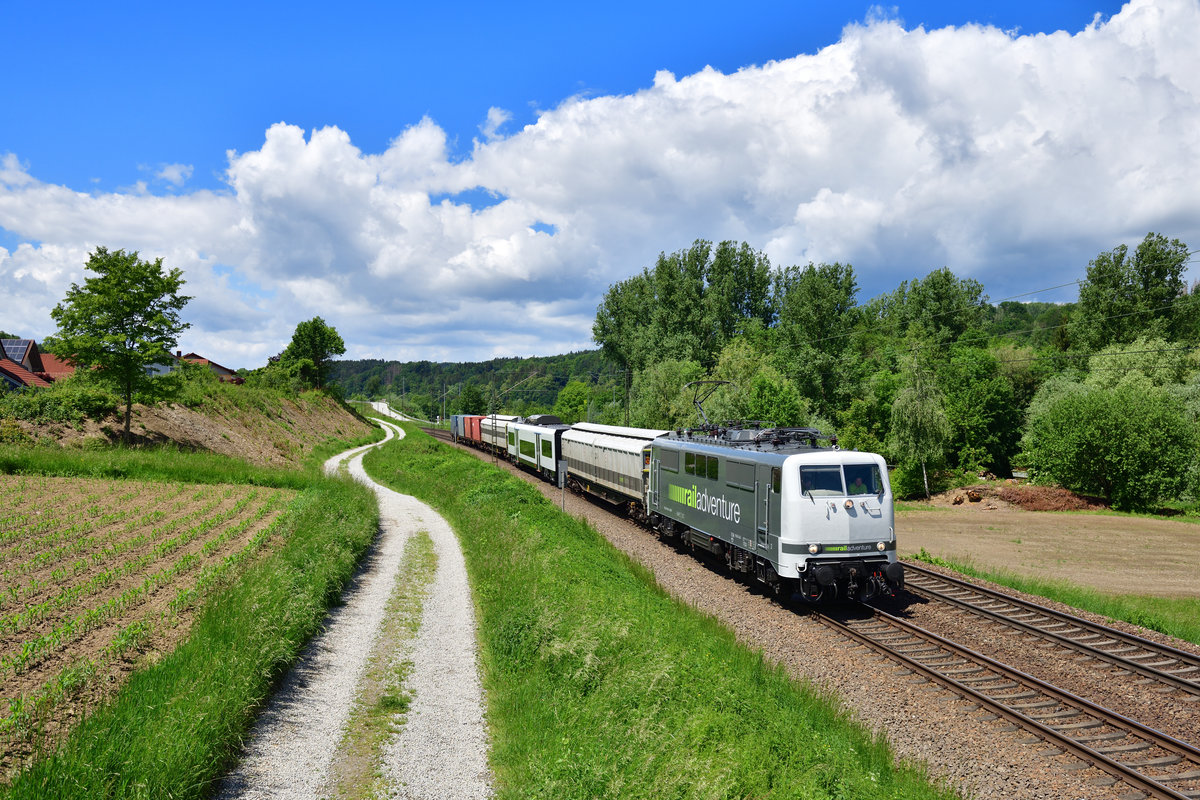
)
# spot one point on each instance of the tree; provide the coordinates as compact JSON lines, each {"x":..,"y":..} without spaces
{"x":314,"y":342}
{"x":1133,"y":445}
{"x":572,"y":402}
{"x":1124,"y":297}
{"x":979,"y":404}
{"x":817,"y":313}
{"x":659,"y":397}
{"x":919,"y":428}
{"x":122,"y":324}
{"x":471,"y":400}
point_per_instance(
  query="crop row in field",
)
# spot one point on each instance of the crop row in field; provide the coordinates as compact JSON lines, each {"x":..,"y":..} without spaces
{"x":92,"y":569}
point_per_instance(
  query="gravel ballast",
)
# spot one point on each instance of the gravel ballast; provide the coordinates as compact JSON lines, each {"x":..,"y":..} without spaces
{"x":983,"y":757}
{"x":442,"y":749}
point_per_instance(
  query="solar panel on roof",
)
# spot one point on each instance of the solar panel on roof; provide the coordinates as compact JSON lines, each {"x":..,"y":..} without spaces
{"x":16,"y":348}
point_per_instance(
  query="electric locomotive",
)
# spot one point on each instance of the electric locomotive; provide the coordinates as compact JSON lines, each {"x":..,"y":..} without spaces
{"x":777,"y":504}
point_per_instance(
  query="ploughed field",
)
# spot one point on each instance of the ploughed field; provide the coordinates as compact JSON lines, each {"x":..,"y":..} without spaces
{"x":95,"y":574}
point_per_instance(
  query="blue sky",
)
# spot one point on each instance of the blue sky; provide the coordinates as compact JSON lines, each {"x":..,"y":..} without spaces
{"x":368,"y":161}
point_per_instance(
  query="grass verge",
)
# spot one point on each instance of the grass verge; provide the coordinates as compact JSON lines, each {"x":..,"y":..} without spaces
{"x":175,"y":726}
{"x":601,"y":685}
{"x":1174,"y":616}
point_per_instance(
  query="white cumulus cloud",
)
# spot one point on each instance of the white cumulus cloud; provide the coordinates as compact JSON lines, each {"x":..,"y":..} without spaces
{"x":1011,"y":159}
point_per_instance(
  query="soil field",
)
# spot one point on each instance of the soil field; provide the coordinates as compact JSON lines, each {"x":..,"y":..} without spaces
{"x":1113,"y":554}
{"x":97,"y":575}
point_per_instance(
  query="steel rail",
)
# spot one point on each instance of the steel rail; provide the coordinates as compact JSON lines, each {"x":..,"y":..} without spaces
{"x":1079,"y":705}
{"x":1188,"y":661}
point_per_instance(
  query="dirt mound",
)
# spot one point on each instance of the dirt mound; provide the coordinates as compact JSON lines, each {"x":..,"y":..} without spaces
{"x":280,"y":433}
{"x":1047,"y":498}
{"x":1008,"y":495}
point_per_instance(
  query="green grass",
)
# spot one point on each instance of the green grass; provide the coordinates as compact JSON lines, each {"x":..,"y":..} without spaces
{"x":601,"y":685}
{"x":1174,"y":616}
{"x":168,"y":463}
{"x":160,"y":463}
{"x":174,"y":728}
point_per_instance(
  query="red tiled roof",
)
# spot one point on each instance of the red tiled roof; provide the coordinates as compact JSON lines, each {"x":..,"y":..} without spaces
{"x":224,"y":373}
{"x":20,"y":374}
{"x":199,"y":359}
{"x":57,"y":367}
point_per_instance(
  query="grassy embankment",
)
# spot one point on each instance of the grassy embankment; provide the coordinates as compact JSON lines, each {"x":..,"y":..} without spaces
{"x":601,"y":685}
{"x":1174,"y":616}
{"x":174,"y":727}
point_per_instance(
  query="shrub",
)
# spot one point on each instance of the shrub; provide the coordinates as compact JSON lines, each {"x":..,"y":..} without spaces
{"x":1133,"y":445}
{"x":70,"y":400}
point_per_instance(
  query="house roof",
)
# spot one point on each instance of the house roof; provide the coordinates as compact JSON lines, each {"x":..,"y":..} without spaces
{"x":56,"y":367}
{"x":199,"y":359}
{"x":22,"y":351}
{"x":22,"y":376}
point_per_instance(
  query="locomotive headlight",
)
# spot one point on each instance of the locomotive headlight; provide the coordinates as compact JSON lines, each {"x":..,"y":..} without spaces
{"x":813,"y":549}
{"x":880,"y":546}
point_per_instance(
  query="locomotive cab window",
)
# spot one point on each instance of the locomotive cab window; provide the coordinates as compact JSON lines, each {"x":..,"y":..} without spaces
{"x":821,"y":481}
{"x":863,"y":479}
{"x":669,"y":460}
{"x":547,"y":448}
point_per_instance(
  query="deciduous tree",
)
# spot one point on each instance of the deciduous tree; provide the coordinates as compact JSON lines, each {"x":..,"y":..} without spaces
{"x":316,"y":343}
{"x":1143,"y":294}
{"x":122,"y":323}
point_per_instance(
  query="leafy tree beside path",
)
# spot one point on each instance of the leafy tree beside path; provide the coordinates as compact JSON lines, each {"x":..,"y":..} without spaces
{"x":122,"y":323}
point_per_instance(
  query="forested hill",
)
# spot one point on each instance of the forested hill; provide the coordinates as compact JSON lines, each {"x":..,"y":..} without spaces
{"x":519,"y":385}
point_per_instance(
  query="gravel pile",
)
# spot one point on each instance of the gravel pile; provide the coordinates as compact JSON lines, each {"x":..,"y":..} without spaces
{"x":441,"y":751}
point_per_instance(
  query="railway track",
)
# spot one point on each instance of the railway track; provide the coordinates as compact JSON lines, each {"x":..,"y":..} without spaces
{"x":1128,"y":653}
{"x":1155,"y":764}
{"x":1150,"y":762}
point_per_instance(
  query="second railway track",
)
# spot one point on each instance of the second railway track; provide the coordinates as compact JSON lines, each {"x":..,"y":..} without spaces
{"x":1169,"y":666}
{"x":1155,"y":764}
{"x":1151,"y":763}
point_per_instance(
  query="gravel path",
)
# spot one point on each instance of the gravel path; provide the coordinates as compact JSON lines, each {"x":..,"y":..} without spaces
{"x":442,"y":749}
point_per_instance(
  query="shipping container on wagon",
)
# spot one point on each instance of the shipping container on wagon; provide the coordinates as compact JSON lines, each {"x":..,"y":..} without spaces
{"x":473,"y":433}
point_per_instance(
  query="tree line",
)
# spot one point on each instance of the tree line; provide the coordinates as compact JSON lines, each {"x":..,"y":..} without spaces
{"x":1101,"y":395}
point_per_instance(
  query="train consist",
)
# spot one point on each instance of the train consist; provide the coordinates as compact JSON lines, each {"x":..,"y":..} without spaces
{"x":784,"y":506}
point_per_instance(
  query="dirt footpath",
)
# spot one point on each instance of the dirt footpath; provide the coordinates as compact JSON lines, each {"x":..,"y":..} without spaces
{"x":1114,"y":554}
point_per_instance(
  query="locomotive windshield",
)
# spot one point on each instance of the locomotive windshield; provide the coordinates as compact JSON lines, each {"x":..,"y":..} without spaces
{"x":826,"y":480}
{"x":863,"y":479}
